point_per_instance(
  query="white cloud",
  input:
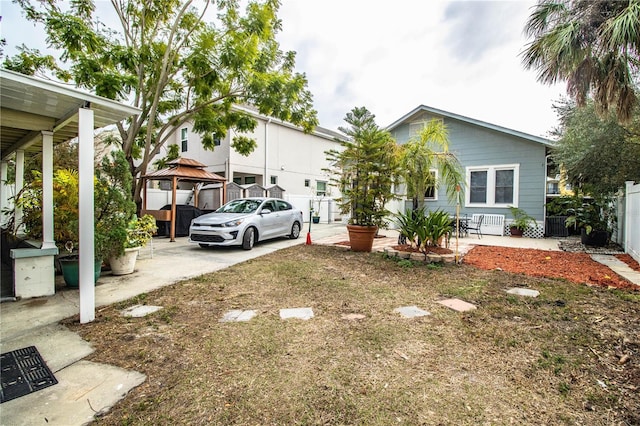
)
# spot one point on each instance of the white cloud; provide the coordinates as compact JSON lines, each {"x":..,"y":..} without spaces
{"x":459,"y":56}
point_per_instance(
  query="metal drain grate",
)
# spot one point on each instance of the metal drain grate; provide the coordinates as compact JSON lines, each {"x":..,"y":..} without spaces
{"x":22,"y":372}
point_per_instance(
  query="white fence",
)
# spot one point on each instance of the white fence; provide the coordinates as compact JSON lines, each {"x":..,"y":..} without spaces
{"x":328,"y":208}
{"x":632,"y":220}
{"x":329,"y":212}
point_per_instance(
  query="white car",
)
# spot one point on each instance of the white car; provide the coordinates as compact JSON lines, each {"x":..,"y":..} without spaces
{"x":245,"y":221}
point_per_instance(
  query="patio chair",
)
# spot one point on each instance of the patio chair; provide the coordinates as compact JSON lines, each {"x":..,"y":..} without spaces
{"x":476,"y":226}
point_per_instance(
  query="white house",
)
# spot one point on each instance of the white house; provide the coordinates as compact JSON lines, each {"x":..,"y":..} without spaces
{"x":285,"y":156}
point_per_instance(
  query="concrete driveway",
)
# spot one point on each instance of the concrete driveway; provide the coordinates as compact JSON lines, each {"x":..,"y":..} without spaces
{"x":161,"y":263}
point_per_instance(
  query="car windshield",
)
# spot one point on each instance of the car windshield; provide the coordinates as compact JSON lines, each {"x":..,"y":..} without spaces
{"x":240,"y":206}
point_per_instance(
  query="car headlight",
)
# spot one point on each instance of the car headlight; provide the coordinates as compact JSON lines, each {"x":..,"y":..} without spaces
{"x":233,"y":223}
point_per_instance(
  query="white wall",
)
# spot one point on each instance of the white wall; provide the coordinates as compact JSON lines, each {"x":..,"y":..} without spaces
{"x":291,"y":155}
{"x":157,"y":198}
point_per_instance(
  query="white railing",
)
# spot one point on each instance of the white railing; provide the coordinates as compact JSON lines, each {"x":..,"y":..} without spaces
{"x":492,"y":224}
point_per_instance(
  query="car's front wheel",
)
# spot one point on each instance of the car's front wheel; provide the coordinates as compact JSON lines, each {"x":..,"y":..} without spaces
{"x":295,"y":231}
{"x":249,"y":239}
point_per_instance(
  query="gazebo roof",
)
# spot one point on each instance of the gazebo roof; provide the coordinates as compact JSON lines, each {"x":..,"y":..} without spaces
{"x":185,"y":169}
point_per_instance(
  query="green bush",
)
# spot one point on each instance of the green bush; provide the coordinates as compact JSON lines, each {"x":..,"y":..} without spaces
{"x":423,"y":230}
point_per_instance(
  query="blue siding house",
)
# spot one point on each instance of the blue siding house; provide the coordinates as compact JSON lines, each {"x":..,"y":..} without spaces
{"x":503,"y":167}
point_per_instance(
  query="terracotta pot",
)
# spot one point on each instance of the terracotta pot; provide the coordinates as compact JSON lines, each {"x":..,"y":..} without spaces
{"x":361,"y":237}
{"x":515,"y":232}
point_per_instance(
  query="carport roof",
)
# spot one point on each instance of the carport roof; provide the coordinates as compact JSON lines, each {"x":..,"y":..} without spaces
{"x":30,"y":105}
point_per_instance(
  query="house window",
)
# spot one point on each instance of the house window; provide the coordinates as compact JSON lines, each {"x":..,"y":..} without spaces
{"x":321,"y":188}
{"x":504,"y":187}
{"x":184,"y":138}
{"x":493,"y":186}
{"x":273,"y":180}
{"x":416,"y":127}
{"x":249,"y":179}
{"x":307,"y":183}
{"x":478,"y":186}
{"x":237,"y":180}
{"x":431,"y":193}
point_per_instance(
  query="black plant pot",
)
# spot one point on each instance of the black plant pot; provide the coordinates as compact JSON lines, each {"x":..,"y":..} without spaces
{"x":594,"y":238}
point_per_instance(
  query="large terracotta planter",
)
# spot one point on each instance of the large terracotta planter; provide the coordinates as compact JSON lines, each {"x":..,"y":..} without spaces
{"x":125,"y":264}
{"x":361,"y":237}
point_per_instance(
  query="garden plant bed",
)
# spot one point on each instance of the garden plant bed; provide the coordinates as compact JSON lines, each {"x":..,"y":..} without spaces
{"x":569,"y":356}
{"x":575,"y":267}
{"x":429,"y":249}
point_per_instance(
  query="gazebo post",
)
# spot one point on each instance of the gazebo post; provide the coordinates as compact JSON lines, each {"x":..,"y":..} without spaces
{"x":224,"y":192}
{"x":173,"y":210}
{"x":144,"y":193}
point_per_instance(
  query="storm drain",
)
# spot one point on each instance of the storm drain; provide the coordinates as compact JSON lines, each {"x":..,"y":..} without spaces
{"x":23,"y":372}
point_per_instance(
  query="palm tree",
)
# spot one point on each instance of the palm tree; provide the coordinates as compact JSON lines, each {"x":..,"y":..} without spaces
{"x":593,"y":45}
{"x":429,"y":151}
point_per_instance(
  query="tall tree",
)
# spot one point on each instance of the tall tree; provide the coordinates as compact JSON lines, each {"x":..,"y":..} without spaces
{"x":423,"y":154}
{"x":365,"y":169}
{"x":167,"y":60}
{"x":593,"y":45}
{"x":597,"y":153}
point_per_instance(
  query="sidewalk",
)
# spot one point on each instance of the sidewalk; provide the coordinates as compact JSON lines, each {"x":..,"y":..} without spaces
{"x":86,"y":388}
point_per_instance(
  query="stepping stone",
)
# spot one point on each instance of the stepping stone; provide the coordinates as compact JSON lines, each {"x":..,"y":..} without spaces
{"x":411,"y":312}
{"x":298,"y":313}
{"x":524,"y":292}
{"x":238,"y":315}
{"x":353,"y":317}
{"x":139,"y":311}
{"x":458,"y":305}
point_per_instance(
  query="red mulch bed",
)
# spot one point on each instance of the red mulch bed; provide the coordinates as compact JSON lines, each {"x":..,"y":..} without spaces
{"x":575,"y":267}
{"x":626,"y":258}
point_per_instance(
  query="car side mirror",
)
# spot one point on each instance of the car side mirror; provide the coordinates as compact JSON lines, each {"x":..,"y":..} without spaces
{"x":265,"y":211}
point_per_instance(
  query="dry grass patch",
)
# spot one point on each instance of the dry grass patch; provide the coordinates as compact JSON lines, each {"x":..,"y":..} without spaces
{"x":550,"y":360}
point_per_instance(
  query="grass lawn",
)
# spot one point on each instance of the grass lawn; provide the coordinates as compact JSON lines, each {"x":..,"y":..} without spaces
{"x":570,"y":356}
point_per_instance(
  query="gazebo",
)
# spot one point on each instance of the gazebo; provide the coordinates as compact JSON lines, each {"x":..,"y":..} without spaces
{"x":180,"y":169}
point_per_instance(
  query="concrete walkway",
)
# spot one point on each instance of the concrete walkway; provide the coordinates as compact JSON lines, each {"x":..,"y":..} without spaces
{"x":87,"y":388}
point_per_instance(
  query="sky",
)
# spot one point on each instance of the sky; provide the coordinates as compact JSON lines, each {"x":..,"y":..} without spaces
{"x":463,"y":57}
{"x":391,"y":57}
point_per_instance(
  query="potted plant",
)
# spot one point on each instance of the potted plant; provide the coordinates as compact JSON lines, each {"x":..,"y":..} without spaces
{"x":113,"y":210}
{"x":365,"y":170}
{"x":139,"y":233}
{"x":592,"y":219}
{"x":521,"y":221}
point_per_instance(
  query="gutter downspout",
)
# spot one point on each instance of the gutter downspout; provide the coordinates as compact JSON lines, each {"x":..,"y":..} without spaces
{"x":544,"y":204}
{"x":266,"y":152}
